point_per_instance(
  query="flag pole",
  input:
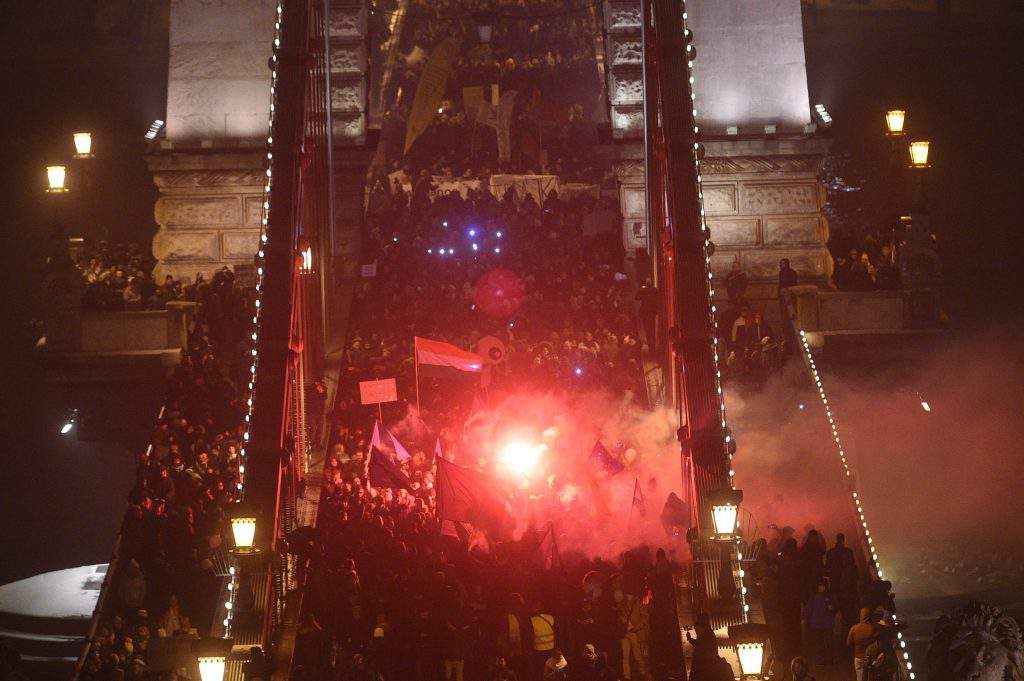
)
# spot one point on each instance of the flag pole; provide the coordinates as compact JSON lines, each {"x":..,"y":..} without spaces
{"x":416,"y":370}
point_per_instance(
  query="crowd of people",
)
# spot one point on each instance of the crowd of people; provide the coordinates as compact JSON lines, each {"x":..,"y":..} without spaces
{"x":458,"y":270}
{"x":395,"y":592}
{"x":164,"y":580}
{"x":119,"y":277}
{"x":865,"y":263}
{"x":543,"y":52}
{"x":822,"y":603}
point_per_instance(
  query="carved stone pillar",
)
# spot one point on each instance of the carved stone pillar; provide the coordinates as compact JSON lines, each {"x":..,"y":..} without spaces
{"x":763,"y":202}
{"x":209,"y":210}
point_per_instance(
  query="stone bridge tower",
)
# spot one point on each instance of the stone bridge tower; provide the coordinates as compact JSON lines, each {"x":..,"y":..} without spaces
{"x":210,"y":167}
{"x":762,"y":198}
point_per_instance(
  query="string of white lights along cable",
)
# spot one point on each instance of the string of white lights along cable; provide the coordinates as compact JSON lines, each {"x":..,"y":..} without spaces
{"x":830,"y":415}
{"x":713,"y":309}
{"x":232,"y":587}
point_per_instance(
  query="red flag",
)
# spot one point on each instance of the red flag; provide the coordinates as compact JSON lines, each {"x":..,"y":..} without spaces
{"x":469,"y":496}
{"x":437,"y":353}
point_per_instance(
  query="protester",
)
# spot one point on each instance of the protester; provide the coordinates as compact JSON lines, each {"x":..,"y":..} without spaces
{"x":171,"y":533}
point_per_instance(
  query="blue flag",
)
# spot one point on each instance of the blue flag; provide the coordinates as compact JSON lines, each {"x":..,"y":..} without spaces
{"x":608,"y":462}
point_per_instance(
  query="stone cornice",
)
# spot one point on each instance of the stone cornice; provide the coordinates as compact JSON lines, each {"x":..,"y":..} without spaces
{"x":723,"y":165}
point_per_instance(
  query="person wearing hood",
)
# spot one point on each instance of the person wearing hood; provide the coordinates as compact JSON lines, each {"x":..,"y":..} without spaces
{"x":800,"y":670}
{"x":556,"y":668}
{"x":592,"y":667}
{"x":861,"y":635}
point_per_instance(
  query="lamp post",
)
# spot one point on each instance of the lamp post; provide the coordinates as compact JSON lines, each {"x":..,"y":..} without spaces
{"x":484,"y":20}
{"x":751,"y":643}
{"x":83,"y":144}
{"x":56,"y":179}
{"x":919,"y":154}
{"x":211,"y":667}
{"x":243,"y":529}
{"x":725,"y":508}
{"x":894,"y":122}
{"x":211,"y":657}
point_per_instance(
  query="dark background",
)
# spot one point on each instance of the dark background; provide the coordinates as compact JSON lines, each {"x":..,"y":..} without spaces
{"x":101,"y":66}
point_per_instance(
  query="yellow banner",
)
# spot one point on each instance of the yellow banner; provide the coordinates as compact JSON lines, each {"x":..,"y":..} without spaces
{"x":472,"y":98}
{"x":430,"y":90}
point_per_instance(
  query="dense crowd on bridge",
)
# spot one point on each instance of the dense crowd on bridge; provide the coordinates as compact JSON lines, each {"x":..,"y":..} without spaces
{"x":165,"y":580}
{"x":400,"y":594}
{"x":865,"y":262}
{"x":543,"y":52}
{"x":119,"y":277}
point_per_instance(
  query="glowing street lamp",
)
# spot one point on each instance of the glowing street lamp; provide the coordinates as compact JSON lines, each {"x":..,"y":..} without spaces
{"x":211,"y":667}
{"x":750,"y":640}
{"x":894,"y":121}
{"x":83,"y":144}
{"x":56,"y":179}
{"x":484,"y":26}
{"x":919,"y":154}
{"x":244,"y":530}
{"x":211,"y":656}
{"x":725,"y":510}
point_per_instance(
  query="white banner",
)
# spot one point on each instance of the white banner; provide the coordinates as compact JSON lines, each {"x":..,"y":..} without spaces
{"x":375,"y":392}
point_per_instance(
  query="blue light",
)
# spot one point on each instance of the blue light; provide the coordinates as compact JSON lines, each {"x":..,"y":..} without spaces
{"x":475,"y":247}
{"x":472,"y":231}
{"x":497,"y":234}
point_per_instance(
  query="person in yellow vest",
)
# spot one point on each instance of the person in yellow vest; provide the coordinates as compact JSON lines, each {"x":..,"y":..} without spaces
{"x":633,"y":624}
{"x":543,"y":639}
{"x":514,"y":636}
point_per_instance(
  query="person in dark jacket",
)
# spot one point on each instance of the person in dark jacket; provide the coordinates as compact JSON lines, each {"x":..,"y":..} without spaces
{"x":820,"y":615}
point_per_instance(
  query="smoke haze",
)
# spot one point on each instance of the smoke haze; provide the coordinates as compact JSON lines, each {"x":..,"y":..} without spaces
{"x":939,"y":488}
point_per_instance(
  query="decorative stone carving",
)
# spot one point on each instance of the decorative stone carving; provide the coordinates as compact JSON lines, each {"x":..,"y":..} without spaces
{"x":781,"y":231}
{"x":346,"y":22}
{"x":629,"y":171}
{"x":200,"y":246}
{"x":239,"y":245}
{"x":627,"y":122}
{"x":254,"y":211}
{"x":348,"y":59}
{"x":622,"y":16}
{"x":187,"y":179}
{"x":779,"y":198}
{"x":348,"y":128}
{"x":719,"y":199}
{"x":977,"y":642}
{"x":733,"y":232}
{"x":626,"y":53}
{"x":634,"y":201}
{"x":199,"y":211}
{"x":347,"y":95}
{"x":762,"y":164}
{"x":627,"y":87}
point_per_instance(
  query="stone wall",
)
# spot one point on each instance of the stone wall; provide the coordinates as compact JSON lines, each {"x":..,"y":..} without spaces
{"x":749,"y":71}
{"x":209,"y":210}
{"x":762,"y":202}
{"x":218,"y":83}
